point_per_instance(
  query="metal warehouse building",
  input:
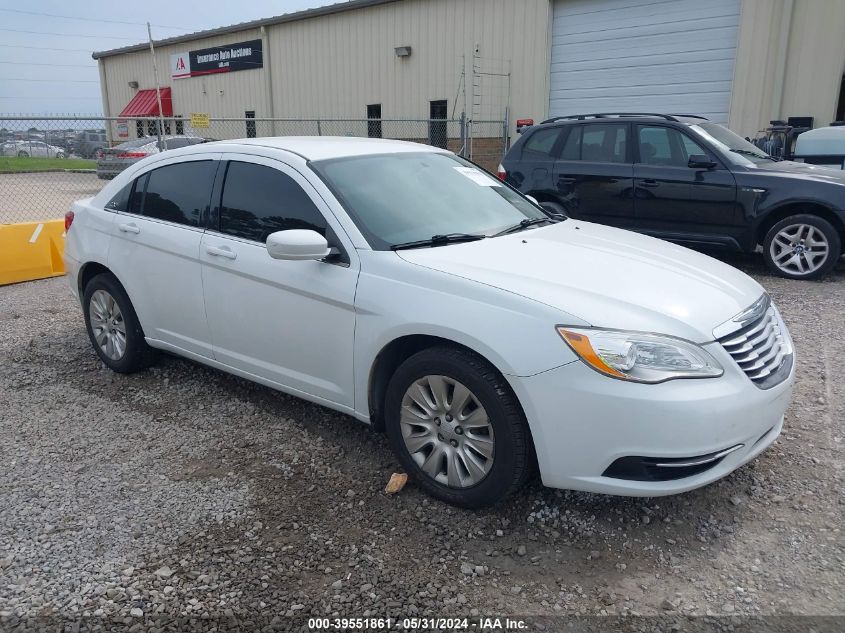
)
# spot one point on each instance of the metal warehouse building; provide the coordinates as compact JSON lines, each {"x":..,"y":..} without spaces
{"x":741,"y":62}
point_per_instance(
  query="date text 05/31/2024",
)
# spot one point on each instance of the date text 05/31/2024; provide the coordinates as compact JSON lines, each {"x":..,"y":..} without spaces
{"x":416,"y":624}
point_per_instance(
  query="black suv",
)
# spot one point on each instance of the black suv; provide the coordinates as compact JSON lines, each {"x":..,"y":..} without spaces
{"x":684,"y":179}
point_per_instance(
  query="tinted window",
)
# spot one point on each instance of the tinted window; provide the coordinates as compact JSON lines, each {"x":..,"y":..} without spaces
{"x":541,"y":143}
{"x":259,"y":200}
{"x":179,"y":193}
{"x":572,"y":147}
{"x":666,"y":146}
{"x":120,"y":202}
{"x":136,"y":196}
{"x":604,"y":143}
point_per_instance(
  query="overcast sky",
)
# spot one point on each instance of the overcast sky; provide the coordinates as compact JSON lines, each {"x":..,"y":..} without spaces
{"x":45,"y":61}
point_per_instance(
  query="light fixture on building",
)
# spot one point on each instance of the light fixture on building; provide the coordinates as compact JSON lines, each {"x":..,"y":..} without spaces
{"x":403,"y":51}
{"x":133,"y":85}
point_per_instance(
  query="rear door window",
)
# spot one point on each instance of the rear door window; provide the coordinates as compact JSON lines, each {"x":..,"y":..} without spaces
{"x":179,"y":193}
{"x":259,"y":200}
{"x":604,"y":143}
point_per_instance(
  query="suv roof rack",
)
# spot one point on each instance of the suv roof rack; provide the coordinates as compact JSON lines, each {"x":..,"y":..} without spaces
{"x":607,"y":115}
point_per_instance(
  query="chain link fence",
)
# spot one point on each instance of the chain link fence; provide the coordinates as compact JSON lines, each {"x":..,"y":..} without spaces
{"x":46,"y":163}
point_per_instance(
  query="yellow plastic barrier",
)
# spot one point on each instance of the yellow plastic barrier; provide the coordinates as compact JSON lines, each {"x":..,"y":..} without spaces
{"x":31,"y":250}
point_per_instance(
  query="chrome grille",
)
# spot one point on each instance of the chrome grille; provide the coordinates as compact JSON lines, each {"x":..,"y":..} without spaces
{"x":760,"y":347}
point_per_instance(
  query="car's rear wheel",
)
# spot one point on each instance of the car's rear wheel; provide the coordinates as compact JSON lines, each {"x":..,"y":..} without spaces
{"x":802,"y":246}
{"x":457,"y":427}
{"x":113,"y":326}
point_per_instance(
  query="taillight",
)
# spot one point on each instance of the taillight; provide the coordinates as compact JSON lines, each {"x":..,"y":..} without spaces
{"x":501,"y":174}
{"x":68,"y":220}
{"x":132,"y":155}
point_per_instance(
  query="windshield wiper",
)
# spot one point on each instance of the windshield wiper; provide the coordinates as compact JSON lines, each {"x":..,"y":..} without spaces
{"x":522,"y":225}
{"x":748,"y":152}
{"x":439,"y":240}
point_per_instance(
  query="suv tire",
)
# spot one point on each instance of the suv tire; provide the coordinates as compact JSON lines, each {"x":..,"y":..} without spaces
{"x":113,"y":326}
{"x":473,"y":465}
{"x":802,"y":246}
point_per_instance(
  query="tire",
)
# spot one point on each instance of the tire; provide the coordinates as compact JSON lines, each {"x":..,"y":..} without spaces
{"x":554,"y":208}
{"x":511,"y":450}
{"x":23,"y":154}
{"x":135,"y":354}
{"x":802,"y":246}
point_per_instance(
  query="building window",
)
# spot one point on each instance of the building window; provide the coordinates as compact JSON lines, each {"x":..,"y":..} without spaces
{"x":437,"y":123}
{"x":374,"y":120}
{"x":180,"y":125}
{"x":250,"y":125}
{"x":139,"y":129}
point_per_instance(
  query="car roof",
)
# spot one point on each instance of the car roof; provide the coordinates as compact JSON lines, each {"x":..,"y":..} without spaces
{"x":636,"y":117}
{"x":324,"y":147}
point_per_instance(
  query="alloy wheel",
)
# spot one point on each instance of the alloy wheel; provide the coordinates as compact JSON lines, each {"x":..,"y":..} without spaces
{"x":799,"y":249}
{"x":107,"y":324}
{"x":447,"y":432}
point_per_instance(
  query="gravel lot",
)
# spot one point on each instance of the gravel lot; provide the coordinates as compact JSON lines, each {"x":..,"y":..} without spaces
{"x":43,"y":195}
{"x":184,"y":491}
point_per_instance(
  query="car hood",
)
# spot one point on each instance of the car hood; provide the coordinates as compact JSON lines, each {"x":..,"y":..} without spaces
{"x":802,"y":170}
{"x":604,"y":276}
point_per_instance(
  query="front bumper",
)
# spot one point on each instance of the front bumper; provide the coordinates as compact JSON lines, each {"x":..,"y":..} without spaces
{"x":583,"y":422}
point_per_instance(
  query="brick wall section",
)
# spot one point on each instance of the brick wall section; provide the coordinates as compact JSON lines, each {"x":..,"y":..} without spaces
{"x":486,"y":152}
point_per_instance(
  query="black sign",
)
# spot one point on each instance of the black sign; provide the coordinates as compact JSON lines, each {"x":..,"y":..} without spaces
{"x":219,"y":59}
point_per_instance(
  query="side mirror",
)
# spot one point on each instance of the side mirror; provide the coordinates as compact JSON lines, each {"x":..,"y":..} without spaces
{"x":700,"y":161}
{"x":297,"y":245}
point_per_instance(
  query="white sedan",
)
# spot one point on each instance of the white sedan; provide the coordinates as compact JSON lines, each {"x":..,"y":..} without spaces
{"x":36,"y":149}
{"x":404,"y":286}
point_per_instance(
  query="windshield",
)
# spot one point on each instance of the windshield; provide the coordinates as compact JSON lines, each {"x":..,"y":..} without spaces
{"x":733,"y":146}
{"x":402,"y":197}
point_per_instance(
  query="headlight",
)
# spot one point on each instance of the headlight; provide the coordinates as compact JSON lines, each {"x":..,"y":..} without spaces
{"x":638,"y":356}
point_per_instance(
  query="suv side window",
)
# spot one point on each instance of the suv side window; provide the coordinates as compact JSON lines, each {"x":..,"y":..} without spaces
{"x":259,"y":200}
{"x":604,"y":143}
{"x":665,"y":146}
{"x":179,"y":193}
{"x":541,"y":144}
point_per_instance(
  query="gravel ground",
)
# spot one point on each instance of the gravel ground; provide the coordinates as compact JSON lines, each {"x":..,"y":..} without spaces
{"x":43,"y":196}
{"x":183,"y":491}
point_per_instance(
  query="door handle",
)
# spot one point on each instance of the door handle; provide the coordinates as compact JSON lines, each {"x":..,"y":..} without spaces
{"x":564,"y":180}
{"x":649,"y":182}
{"x":129,"y":228}
{"x":223,"y":251}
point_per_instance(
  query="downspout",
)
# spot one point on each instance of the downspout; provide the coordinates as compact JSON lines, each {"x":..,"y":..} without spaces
{"x":104,"y":95}
{"x":268,"y":73}
{"x":780,"y":61}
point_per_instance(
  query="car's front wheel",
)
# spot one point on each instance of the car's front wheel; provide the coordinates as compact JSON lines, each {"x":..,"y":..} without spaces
{"x":113,"y":326}
{"x":23,"y":154}
{"x":802,"y":246}
{"x":456,"y":426}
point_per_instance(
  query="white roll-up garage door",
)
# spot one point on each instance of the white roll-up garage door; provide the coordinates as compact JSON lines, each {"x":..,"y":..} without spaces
{"x":666,"y":56}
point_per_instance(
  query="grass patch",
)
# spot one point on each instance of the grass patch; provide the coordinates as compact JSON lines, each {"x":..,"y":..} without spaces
{"x":13,"y":164}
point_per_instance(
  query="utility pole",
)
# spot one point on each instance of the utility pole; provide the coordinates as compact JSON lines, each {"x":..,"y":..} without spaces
{"x":160,"y":125}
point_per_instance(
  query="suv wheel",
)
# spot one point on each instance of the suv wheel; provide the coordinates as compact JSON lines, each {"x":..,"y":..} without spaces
{"x":113,"y":326}
{"x":457,"y":428}
{"x":802,"y":247}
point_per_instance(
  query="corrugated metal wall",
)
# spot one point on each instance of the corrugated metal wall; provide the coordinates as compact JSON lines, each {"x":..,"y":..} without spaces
{"x":643,"y":56}
{"x":790,"y":61}
{"x":334,"y":65}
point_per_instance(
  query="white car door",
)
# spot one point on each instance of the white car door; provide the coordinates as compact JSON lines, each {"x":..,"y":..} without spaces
{"x":155,"y":250}
{"x":290,"y":323}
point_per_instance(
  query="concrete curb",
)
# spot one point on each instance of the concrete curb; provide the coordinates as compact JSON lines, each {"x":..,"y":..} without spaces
{"x":49,"y":171}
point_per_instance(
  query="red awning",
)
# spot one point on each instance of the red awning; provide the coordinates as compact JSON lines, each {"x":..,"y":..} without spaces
{"x":145,"y":103}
